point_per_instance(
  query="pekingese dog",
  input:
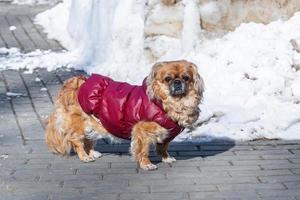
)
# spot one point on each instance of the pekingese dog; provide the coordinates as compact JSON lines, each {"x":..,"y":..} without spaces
{"x":153,"y":113}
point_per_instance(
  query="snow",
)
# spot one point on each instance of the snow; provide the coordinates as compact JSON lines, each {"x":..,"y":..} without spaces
{"x":12,"y":28}
{"x":191,"y":26}
{"x":3,"y":156}
{"x":13,"y":59}
{"x":211,"y":12}
{"x":252,"y":90}
{"x":13,"y":94}
{"x":56,"y":19}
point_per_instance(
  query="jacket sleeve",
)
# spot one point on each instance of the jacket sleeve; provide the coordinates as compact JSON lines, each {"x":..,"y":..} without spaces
{"x":172,"y":127}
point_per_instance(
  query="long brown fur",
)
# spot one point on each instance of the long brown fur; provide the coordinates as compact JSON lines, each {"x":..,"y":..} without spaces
{"x":69,"y":126}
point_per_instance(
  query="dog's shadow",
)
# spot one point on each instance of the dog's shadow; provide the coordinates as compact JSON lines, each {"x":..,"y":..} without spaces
{"x":180,"y":150}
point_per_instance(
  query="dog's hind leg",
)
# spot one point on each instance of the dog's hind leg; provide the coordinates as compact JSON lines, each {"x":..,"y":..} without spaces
{"x":78,"y":144}
{"x":161,"y":150}
{"x":89,"y":149}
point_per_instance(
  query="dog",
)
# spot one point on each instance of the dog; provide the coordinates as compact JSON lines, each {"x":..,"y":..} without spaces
{"x":154,"y":113}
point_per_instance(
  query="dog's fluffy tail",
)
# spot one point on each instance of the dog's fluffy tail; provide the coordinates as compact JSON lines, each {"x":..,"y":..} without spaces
{"x":57,"y":138}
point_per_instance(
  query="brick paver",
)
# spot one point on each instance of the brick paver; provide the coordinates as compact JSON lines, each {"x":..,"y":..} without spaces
{"x":213,"y":170}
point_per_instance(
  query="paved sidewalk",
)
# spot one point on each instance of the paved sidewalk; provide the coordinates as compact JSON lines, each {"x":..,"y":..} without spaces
{"x":26,"y":35}
{"x":267,"y":170}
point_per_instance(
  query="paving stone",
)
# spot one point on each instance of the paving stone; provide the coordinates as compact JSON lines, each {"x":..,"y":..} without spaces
{"x":188,"y":163}
{"x":295,"y":171}
{"x":89,"y":196}
{"x":279,"y":193}
{"x":25,"y":197}
{"x":112,"y":190}
{"x":183,"y":188}
{"x":280,"y":157}
{"x":155,"y":196}
{"x":134,"y":177}
{"x":183,"y":174}
{"x":264,"y":152}
{"x":225,"y":180}
{"x":261,"y":162}
{"x":280,"y":198}
{"x":280,"y":179}
{"x":162,"y":183}
{"x":294,"y":184}
{"x":229,"y":168}
{"x":250,"y":186}
{"x":280,"y":166}
{"x":108,"y":171}
{"x":276,"y":172}
{"x":232,"y":195}
{"x":205,"y":153}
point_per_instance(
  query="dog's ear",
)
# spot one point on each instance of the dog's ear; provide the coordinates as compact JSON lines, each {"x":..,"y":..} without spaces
{"x":151,"y":78}
{"x":198,"y":85}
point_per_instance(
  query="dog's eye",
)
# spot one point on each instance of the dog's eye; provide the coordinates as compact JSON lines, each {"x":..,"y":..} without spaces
{"x":168,"y":79}
{"x":185,"y":78}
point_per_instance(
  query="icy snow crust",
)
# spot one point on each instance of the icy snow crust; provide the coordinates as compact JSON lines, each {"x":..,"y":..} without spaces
{"x":252,"y":91}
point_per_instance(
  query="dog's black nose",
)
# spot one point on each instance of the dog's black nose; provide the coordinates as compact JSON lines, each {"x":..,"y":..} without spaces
{"x":177,"y":82}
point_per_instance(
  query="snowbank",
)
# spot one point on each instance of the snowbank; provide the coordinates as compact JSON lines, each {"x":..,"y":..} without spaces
{"x":252,"y":90}
{"x":14,"y":59}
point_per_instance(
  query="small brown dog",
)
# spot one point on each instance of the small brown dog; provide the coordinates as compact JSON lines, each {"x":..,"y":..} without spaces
{"x":170,"y":95}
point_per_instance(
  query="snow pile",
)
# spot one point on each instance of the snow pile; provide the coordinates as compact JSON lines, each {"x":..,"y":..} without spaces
{"x":14,"y":59}
{"x":55,"y":22}
{"x":191,"y":26}
{"x":252,"y":90}
{"x":99,"y":37}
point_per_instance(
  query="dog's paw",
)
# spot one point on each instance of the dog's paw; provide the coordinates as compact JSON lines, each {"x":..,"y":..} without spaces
{"x":87,"y":159}
{"x":95,"y":154}
{"x":168,"y":160}
{"x":149,"y":167}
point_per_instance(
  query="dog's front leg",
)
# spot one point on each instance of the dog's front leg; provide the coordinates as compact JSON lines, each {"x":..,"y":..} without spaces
{"x":162,"y":150}
{"x":143,"y":135}
{"x":78,"y":143}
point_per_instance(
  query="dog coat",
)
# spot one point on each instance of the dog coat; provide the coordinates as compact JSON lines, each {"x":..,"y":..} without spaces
{"x":119,"y":106}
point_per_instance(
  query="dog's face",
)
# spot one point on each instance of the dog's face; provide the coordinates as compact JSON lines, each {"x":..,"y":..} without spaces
{"x":175,"y":79}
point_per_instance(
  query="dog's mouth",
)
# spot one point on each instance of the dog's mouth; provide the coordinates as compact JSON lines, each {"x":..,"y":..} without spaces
{"x":178,"y":88}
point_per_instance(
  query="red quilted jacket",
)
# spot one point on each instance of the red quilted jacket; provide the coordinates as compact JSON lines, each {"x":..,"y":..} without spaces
{"x":119,"y":106}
